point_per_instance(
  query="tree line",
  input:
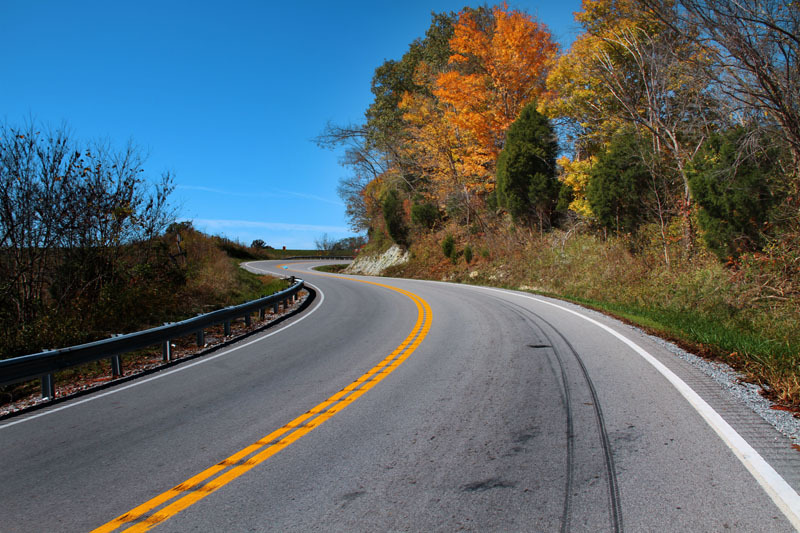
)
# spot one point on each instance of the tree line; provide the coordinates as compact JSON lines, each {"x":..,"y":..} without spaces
{"x":678,"y":117}
{"x":80,"y":237}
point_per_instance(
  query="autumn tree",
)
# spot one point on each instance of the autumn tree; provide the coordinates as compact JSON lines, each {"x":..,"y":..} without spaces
{"x":379,"y":148}
{"x":366,"y":163}
{"x":632,"y":70}
{"x":439,"y":116}
{"x":498,"y":65}
{"x":447,"y":155}
{"x":754,"y":49}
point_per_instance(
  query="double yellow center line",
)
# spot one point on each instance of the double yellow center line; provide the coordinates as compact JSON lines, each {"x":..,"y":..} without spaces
{"x":168,"y":504}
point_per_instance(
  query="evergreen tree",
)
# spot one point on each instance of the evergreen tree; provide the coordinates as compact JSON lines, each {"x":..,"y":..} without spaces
{"x":526,"y":169}
{"x":732,"y":188}
{"x":393,"y":215}
{"x":618,"y":185}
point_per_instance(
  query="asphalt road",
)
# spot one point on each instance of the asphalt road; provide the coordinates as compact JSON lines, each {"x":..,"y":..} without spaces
{"x":407,"y":406}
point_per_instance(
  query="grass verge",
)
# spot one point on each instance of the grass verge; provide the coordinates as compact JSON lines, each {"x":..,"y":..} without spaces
{"x":331,"y":268}
{"x":746,"y":316}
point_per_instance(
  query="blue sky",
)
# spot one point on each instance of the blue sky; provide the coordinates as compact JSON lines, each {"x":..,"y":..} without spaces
{"x":226,"y":95}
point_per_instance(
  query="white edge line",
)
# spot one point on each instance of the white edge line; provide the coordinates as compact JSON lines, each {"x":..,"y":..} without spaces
{"x":781,"y":493}
{"x":784,"y":496}
{"x":179,"y":368}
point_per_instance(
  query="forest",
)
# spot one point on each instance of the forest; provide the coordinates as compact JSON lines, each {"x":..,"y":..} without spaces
{"x":652,"y":169}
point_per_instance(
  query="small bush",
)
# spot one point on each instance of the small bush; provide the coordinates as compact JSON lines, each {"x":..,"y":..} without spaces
{"x":392,"y":207}
{"x":468,"y":254}
{"x":449,"y":247}
{"x":425,"y":215}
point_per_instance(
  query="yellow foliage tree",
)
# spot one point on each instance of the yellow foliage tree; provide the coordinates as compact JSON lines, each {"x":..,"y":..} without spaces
{"x":630,"y":69}
{"x":575,"y":174}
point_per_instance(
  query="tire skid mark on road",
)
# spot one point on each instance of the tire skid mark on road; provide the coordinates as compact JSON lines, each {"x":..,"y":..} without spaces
{"x":615,"y":510}
{"x":776,"y":487}
{"x":173,"y":501}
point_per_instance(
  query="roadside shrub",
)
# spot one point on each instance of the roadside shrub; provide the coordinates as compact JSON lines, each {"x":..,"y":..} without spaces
{"x":468,"y":254}
{"x":618,"y":184}
{"x":449,"y":247}
{"x":425,"y":215}
{"x":392,"y":207}
{"x":526,"y":168}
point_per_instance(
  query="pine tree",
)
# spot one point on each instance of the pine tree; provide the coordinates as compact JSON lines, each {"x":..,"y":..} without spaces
{"x":527,"y":186}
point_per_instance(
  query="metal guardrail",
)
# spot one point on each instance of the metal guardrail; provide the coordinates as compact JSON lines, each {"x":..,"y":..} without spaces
{"x":44,"y":364}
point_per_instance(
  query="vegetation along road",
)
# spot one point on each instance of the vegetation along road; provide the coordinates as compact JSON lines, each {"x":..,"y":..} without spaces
{"x":407,"y":405}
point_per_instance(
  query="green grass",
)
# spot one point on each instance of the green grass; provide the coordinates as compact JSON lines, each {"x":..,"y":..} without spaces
{"x":331,"y":268}
{"x":696,"y":327}
{"x":249,"y":286}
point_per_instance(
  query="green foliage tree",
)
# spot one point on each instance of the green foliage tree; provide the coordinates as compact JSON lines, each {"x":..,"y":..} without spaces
{"x":732,"y":188}
{"x":394,"y":78}
{"x":526,"y":169}
{"x":617,"y":185}
{"x":393,"y":215}
{"x":425,"y":214}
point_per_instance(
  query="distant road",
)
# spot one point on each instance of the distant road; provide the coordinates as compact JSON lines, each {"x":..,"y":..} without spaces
{"x":402,"y":405}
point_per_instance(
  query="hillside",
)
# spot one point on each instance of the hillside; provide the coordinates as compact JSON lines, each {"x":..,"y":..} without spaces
{"x":651,"y":169}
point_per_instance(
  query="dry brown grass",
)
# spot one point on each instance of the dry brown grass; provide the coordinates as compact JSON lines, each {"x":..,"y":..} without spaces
{"x":747,"y":315}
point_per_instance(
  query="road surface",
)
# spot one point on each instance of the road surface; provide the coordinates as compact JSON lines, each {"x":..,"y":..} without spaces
{"x":402,"y":405}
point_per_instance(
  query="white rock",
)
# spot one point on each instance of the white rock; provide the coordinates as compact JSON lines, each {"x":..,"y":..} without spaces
{"x":375,"y":265}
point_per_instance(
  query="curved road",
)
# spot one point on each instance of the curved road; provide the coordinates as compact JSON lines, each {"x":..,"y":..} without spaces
{"x":407,"y":405}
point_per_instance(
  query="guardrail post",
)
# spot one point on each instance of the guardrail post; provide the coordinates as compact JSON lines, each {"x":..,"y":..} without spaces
{"x":262,"y":313}
{"x":116,"y":366}
{"x":48,"y":386}
{"x":43,"y":365}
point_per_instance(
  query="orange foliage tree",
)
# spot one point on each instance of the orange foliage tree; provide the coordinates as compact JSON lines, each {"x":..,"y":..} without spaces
{"x":495,"y":72}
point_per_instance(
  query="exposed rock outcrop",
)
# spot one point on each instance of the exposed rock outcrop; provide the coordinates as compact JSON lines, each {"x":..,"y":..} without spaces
{"x":375,"y":265}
